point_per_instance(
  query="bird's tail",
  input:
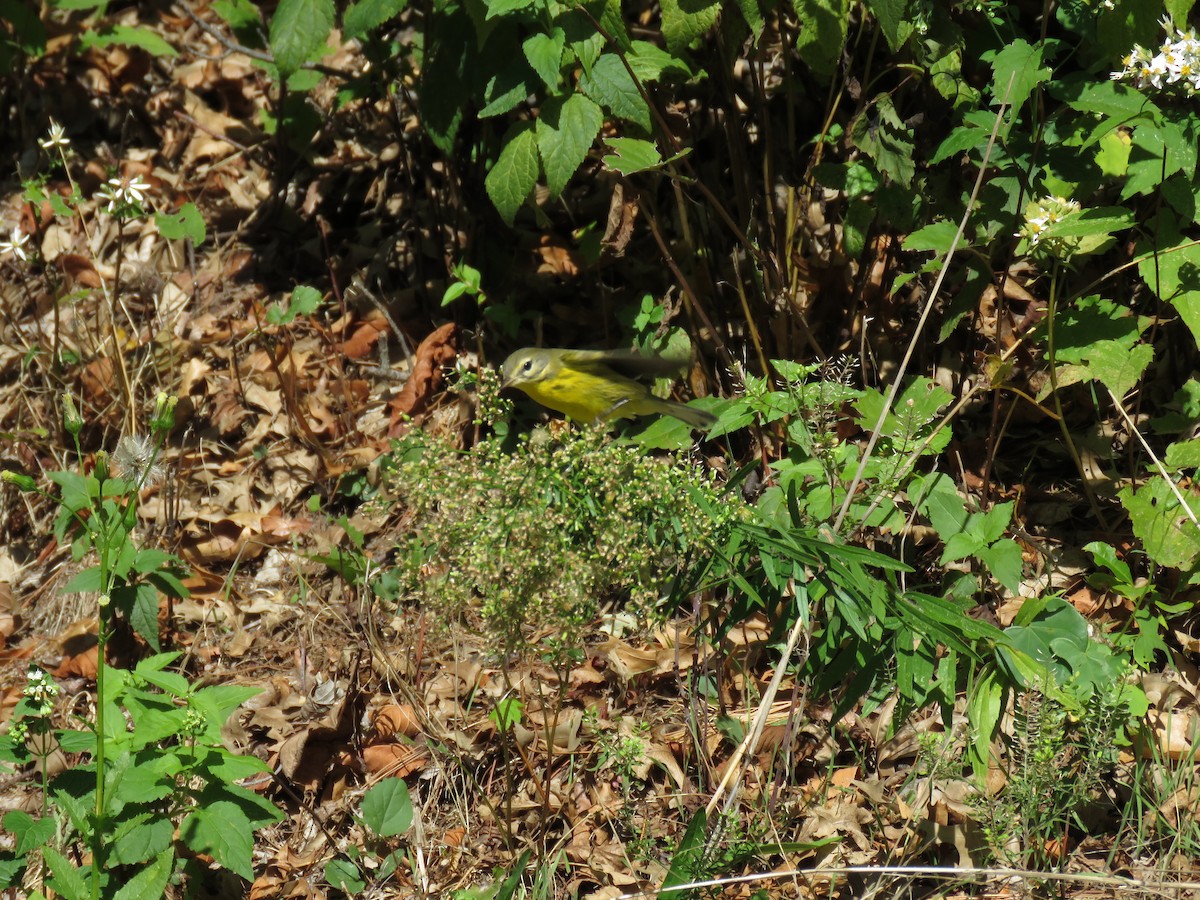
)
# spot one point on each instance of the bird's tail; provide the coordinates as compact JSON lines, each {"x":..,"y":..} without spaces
{"x":697,"y":418}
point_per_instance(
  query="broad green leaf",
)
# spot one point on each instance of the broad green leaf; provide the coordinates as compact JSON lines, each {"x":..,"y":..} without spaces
{"x":187,"y":223}
{"x":821,"y":35}
{"x":497,"y":8}
{"x":140,"y":837}
{"x":1106,"y":556}
{"x":446,"y":86}
{"x":30,"y":833}
{"x":650,"y":62}
{"x":1005,"y":561}
{"x":897,"y":20}
{"x":150,"y":882}
{"x":610,"y":85}
{"x":515,"y":172}
{"x":127,"y":36}
{"x":1162,"y":525}
{"x":67,"y":880}
{"x":632,"y":155}
{"x":299,"y":29}
{"x":387,"y":808}
{"x":221,"y":828}
{"x":544,"y":52}
{"x":1016,"y":71}
{"x":937,"y":237}
{"x":880,"y":134}
{"x":1183,"y":455}
{"x":684,"y":23}
{"x":1174,"y":275}
{"x":366,"y":15}
{"x":565,"y":132}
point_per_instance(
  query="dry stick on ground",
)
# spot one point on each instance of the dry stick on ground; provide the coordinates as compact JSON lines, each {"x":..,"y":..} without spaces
{"x":733,"y":773}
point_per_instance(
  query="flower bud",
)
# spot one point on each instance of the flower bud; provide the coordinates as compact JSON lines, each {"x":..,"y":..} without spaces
{"x":23,"y":482}
{"x":164,"y":413}
{"x":72,"y":421}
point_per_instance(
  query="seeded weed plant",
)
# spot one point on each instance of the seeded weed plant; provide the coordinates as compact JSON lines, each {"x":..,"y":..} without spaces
{"x":536,"y":539}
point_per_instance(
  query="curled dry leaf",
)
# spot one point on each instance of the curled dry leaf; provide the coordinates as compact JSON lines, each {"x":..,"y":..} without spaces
{"x":437,"y":351}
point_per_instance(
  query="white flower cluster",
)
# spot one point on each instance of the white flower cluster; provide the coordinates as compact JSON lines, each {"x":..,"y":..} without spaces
{"x":1043,"y":213}
{"x":1175,"y":67}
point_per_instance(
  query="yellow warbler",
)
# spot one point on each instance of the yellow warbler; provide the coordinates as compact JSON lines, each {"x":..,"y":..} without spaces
{"x":596,"y":385}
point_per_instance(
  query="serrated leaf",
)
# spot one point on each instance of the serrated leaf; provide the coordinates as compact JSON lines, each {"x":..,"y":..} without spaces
{"x":148,"y":884}
{"x":896,"y":21}
{"x":821,"y":34}
{"x":650,"y":62}
{"x":565,"y":132}
{"x":67,"y":880}
{"x":544,"y":53}
{"x":1016,"y":71}
{"x":1162,"y":525}
{"x":610,"y":85}
{"x":298,"y":29}
{"x":632,"y":155}
{"x":366,"y":15}
{"x":682,"y":24}
{"x":515,"y":172}
{"x":221,"y":828}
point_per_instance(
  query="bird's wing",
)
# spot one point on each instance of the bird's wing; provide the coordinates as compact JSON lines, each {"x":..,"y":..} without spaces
{"x":626,"y":362}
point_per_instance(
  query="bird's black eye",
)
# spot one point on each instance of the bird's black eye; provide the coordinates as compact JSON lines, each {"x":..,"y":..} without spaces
{"x":528,"y":365}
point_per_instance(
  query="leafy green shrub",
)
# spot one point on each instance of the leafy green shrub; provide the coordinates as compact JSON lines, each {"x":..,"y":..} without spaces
{"x":540,"y":536}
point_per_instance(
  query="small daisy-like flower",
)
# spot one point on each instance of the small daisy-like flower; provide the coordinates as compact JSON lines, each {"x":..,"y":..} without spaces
{"x":1176,"y":66}
{"x":57,"y":137}
{"x":16,"y":244}
{"x":121,"y":192}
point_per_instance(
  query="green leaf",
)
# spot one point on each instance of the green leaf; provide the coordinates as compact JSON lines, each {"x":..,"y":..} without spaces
{"x":299,"y":29}
{"x":366,"y":15}
{"x":127,"y":36}
{"x":565,"y":132}
{"x":67,"y":880}
{"x":1162,"y":525}
{"x":610,"y":85}
{"x":141,"y":837}
{"x":1173,"y":273}
{"x":345,"y":876}
{"x":187,"y":223}
{"x":687,"y":863}
{"x":544,"y":53}
{"x":515,"y":172}
{"x":1106,"y":555}
{"x":30,"y":833}
{"x":221,"y":828}
{"x":1005,"y":561}
{"x":880,"y":134}
{"x":446,"y":88}
{"x":239,"y":15}
{"x":1019,"y":64}
{"x":1183,"y":455}
{"x":387,"y":808}
{"x":632,"y":155}
{"x":498,"y":8}
{"x":143,"y":616}
{"x":149,"y":883}
{"x":650,"y":62}
{"x":821,"y":36}
{"x":687,"y":21}
{"x":937,"y":237}
{"x":896,"y":21}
